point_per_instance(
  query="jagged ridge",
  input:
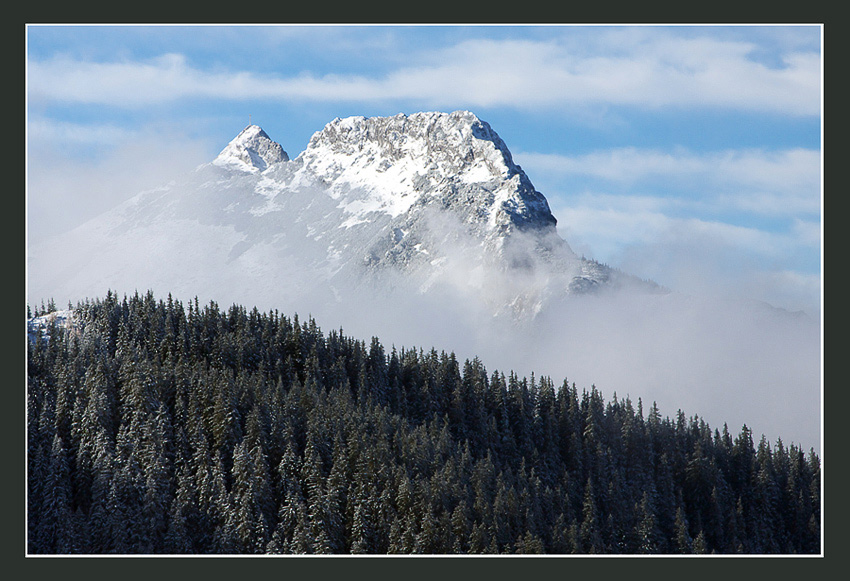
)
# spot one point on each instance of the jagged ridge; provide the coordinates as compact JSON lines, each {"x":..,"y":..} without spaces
{"x":455,"y":157}
{"x":431,"y":198}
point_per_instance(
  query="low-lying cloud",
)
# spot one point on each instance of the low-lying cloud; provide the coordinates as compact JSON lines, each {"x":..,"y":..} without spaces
{"x":724,"y":358}
{"x":728,"y":223}
{"x":701,"y":257}
{"x":729,"y":361}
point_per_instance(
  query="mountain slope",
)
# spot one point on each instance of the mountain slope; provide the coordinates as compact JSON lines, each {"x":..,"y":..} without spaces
{"x":423,"y":201}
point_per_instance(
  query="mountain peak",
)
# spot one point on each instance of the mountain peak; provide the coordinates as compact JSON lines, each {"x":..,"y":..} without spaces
{"x":395,"y":163}
{"x":251,"y":151}
{"x":429,"y":198}
{"x":459,"y":136}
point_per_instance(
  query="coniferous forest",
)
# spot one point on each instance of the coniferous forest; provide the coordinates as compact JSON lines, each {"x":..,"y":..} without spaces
{"x":159,"y":427}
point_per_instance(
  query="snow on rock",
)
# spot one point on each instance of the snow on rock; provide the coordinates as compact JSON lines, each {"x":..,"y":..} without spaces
{"x":387,"y":164}
{"x":251,"y":151}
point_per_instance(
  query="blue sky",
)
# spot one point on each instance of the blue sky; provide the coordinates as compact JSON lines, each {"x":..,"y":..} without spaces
{"x":690,"y":155}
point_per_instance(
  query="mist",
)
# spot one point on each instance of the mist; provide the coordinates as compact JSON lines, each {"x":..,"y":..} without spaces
{"x":721,"y":356}
{"x":74,"y":180}
{"x":727,"y":361}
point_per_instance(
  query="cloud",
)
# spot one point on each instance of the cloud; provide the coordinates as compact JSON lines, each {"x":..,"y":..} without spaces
{"x":755,"y":180}
{"x":730,"y":361}
{"x":66,"y":187}
{"x":641,"y":235}
{"x":744,"y":223}
{"x":657,"y":70}
{"x":41,"y":132}
{"x":733,"y":222}
{"x":767,"y":201}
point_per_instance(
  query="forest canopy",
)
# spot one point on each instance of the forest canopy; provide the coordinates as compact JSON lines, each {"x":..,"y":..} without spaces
{"x":159,"y":427}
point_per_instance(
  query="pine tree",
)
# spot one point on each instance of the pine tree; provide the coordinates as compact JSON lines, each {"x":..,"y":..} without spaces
{"x":590,"y":539}
{"x":362,"y":528}
{"x":684,"y":542}
{"x":251,"y":498}
{"x":647,"y":526}
{"x":55,"y":532}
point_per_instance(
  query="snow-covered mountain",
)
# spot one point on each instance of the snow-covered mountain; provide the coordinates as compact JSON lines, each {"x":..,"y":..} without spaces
{"x":421,"y":230}
{"x":425,"y":201}
{"x":252,"y":151}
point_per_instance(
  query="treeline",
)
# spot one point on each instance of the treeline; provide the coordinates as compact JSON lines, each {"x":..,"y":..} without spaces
{"x":159,"y":427}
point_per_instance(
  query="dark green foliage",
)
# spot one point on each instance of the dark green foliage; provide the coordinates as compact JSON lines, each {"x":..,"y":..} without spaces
{"x":159,"y":428}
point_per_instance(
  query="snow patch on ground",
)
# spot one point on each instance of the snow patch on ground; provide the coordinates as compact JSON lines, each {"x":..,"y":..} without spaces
{"x":41,"y":325}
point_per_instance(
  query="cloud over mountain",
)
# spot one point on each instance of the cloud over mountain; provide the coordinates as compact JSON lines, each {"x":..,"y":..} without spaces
{"x":421,"y":229}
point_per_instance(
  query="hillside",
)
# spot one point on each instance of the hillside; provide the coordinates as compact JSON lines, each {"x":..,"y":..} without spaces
{"x":159,"y":427}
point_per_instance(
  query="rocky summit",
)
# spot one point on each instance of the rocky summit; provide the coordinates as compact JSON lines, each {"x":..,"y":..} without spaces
{"x":419,"y":202}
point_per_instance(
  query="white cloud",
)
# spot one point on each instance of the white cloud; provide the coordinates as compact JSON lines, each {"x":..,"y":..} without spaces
{"x":809,"y":233}
{"x":795,"y":291}
{"x":671,"y":240}
{"x":657,"y":70}
{"x":785,"y":182}
{"x":600,"y":230}
{"x":614,"y":222}
{"x":627,"y":164}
